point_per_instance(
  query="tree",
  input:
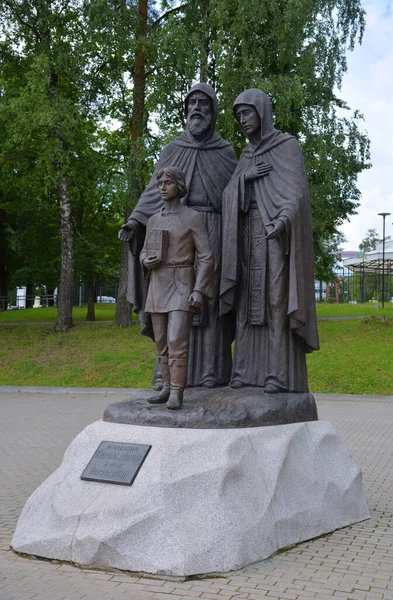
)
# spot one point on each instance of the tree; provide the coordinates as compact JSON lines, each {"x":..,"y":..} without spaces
{"x":123,"y":316}
{"x":296,"y":52}
{"x":370,"y":241}
{"x":4,"y":260}
{"x":81,"y":79}
{"x":51,"y":110}
{"x":42,"y":114}
{"x":131,"y":29}
{"x":329,"y":255}
{"x":98,"y":201}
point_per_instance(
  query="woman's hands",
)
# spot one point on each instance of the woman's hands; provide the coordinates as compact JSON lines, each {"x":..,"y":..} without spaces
{"x":274,"y":228}
{"x":258,"y":171}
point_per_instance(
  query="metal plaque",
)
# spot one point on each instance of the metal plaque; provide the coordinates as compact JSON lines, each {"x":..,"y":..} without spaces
{"x":116,"y":462}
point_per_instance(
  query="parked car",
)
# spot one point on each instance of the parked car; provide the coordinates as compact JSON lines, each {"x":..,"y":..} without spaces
{"x":106,"y":299}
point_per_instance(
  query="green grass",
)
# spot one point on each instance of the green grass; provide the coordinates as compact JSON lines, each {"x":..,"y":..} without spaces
{"x":91,"y":355}
{"x":106,"y":312}
{"x":103,"y":312}
{"x":325,"y":309}
{"x":356,"y":357}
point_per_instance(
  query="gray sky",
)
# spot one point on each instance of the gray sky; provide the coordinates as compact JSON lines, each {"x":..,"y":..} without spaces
{"x":368,"y":87}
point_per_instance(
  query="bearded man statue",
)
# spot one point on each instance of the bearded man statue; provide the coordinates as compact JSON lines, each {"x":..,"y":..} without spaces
{"x":208,"y":162}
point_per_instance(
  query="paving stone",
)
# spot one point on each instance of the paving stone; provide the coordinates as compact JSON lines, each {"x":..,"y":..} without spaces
{"x":162,"y":596}
{"x":211,"y":596}
{"x":357,"y":562}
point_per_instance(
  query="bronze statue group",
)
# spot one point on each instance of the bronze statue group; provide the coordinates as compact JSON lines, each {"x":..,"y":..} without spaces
{"x":221,"y":251}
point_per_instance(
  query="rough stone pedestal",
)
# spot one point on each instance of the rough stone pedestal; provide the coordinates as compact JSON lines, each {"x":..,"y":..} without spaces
{"x":216,"y":408}
{"x":204,"y":500}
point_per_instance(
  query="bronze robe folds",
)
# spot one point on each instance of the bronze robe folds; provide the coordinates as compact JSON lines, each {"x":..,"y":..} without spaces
{"x":270,"y":283}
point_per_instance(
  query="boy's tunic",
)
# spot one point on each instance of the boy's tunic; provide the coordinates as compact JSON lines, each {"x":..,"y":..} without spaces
{"x":172,"y":282}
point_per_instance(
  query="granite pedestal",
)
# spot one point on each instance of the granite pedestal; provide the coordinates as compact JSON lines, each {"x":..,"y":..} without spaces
{"x":205,"y":500}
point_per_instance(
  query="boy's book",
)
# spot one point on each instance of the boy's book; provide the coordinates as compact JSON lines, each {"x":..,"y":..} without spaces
{"x":157,"y":243}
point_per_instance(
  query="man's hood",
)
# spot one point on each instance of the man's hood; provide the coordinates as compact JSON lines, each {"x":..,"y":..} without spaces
{"x":210,"y":93}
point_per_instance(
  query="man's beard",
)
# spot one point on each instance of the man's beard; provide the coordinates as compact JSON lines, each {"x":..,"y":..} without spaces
{"x":200,"y":125}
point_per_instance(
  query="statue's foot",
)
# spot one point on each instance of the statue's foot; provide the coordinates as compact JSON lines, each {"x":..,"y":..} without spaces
{"x":175,"y":400}
{"x":160,"y":398}
{"x":157,"y":384}
{"x":272,"y":388}
{"x":236,"y":384}
{"x":210,"y":384}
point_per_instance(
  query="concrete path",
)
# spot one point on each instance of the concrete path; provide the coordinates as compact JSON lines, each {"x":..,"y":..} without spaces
{"x":354,"y":563}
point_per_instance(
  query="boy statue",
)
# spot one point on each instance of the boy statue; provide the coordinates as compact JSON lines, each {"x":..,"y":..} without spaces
{"x":175,"y":237}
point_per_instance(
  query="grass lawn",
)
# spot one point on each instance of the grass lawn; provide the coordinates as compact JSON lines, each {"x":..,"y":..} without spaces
{"x":326,"y":309}
{"x":106,"y":312}
{"x":356,"y":357}
{"x":103,"y":312}
{"x":89,"y":355}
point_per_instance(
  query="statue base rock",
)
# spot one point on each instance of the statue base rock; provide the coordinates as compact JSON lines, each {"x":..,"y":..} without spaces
{"x":217,"y":408}
{"x":205,"y":500}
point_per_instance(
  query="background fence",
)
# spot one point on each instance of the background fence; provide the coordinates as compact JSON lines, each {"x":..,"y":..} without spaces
{"x":359,"y":287}
{"x":347,"y":287}
{"x":105,"y":292}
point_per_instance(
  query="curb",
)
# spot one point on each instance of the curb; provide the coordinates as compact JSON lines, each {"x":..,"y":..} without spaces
{"x":123,"y":391}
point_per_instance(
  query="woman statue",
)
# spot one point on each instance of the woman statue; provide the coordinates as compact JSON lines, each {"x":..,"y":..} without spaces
{"x":267,"y":266}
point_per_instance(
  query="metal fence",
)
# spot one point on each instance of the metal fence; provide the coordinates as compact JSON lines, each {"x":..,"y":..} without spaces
{"x":27,"y":301}
{"x":355,"y":287}
{"x":347,"y":287}
{"x":104,"y":292}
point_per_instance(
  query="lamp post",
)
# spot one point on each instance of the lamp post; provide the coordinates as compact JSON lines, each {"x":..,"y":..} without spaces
{"x":383,"y":215}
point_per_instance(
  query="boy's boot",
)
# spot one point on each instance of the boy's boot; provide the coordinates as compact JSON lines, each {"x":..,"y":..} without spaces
{"x":157,"y":378}
{"x":178,"y":370}
{"x":163,"y":396}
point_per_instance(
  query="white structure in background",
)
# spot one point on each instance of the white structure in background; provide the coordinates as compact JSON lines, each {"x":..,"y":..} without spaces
{"x":372,"y":262}
{"x":21,"y":297}
{"x":339,"y":270}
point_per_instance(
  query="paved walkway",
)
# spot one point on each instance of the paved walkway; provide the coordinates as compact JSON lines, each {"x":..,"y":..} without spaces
{"x":355,"y":563}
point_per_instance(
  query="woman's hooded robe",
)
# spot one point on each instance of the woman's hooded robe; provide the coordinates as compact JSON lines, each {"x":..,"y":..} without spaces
{"x":281,"y":195}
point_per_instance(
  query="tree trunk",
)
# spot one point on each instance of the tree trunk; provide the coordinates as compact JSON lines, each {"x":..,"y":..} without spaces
{"x":66,"y":283}
{"x":4,"y":274}
{"x":29,"y":295}
{"x":123,"y":316}
{"x":66,"y":286}
{"x":205,"y":42}
{"x":123,"y":307}
{"x":90,"y":288}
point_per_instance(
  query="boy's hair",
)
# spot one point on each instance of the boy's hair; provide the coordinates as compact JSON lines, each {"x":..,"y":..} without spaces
{"x":177,"y":176}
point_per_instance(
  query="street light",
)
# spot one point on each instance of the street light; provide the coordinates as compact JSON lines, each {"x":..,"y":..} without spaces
{"x":384,"y":215}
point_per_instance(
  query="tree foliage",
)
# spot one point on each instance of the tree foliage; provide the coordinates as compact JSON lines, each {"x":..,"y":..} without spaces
{"x":296,"y":52}
{"x":370,"y":240}
{"x":52,"y":155}
{"x":91,"y":90}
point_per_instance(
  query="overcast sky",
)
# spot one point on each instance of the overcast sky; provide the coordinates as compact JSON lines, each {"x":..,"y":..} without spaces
{"x":368,"y":87}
